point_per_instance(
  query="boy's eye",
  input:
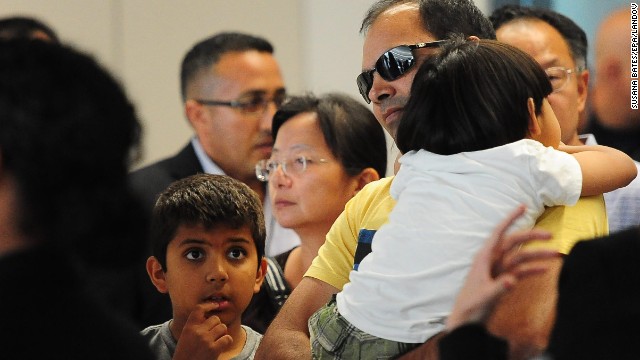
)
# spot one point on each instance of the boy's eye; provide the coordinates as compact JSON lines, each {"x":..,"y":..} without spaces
{"x":194,"y":254}
{"x":237,"y":254}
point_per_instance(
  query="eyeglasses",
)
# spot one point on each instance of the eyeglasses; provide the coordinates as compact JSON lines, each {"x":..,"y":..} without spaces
{"x":295,"y":166}
{"x":559,"y":75}
{"x":255,"y":104}
{"x":391,"y":65}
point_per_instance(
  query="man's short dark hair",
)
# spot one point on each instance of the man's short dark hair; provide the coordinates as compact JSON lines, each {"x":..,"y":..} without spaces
{"x":67,"y":135}
{"x":209,"y":201}
{"x":208,"y":52}
{"x":441,"y":18}
{"x":569,"y":30}
{"x":20,"y":27}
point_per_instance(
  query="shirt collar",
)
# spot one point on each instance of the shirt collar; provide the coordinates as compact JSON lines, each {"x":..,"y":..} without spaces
{"x":207,"y":164}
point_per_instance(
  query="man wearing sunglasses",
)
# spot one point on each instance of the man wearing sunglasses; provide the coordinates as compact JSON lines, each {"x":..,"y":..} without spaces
{"x":559,"y":45}
{"x":231,"y":86}
{"x":398,"y":36}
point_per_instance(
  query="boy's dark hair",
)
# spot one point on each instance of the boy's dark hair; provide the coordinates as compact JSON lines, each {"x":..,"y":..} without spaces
{"x":349,"y":128}
{"x":67,"y":133}
{"x":205,"y":200}
{"x":472,"y":96}
{"x":569,"y":30}
{"x":208,"y":52}
{"x":439,"y":17}
{"x":19,"y":27}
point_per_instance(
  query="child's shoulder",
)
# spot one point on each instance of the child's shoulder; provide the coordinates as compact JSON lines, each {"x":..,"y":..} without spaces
{"x":160,"y":332}
{"x":251,"y":344}
{"x":160,"y":340}
{"x":525,"y":148}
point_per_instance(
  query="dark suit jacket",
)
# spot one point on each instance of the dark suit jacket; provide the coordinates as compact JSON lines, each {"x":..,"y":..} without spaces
{"x":148,"y":182}
{"x":599,"y":300}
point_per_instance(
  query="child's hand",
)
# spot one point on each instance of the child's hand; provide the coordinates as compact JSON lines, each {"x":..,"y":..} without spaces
{"x":496,"y":269}
{"x":202,"y":337}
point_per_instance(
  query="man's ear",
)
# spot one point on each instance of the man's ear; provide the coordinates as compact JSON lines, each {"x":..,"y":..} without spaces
{"x":366,"y":176}
{"x":194,"y":111}
{"x":156,"y":274}
{"x":534,"y":126}
{"x":260,"y":274}
{"x":582,"y":79}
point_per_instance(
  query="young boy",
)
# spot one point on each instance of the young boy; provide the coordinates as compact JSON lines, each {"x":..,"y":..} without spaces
{"x":207,"y":239}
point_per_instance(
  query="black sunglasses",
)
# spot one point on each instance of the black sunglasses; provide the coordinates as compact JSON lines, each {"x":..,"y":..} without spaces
{"x":391,"y":65}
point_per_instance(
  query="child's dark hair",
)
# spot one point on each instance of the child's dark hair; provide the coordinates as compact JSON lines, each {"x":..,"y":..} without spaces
{"x":471,"y":96}
{"x":209,"y":201}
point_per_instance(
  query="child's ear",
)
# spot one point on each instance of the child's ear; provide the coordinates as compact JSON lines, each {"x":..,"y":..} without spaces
{"x":534,"y":126}
{"x":366,"y":176}
{"x":260,"y":274}
{"x":156,"y":274}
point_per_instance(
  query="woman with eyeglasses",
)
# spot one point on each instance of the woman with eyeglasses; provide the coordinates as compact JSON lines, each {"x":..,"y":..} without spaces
{"x":326,"y":149}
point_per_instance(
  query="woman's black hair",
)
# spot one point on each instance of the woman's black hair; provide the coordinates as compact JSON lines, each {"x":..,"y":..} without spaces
{"x":350,"y":129}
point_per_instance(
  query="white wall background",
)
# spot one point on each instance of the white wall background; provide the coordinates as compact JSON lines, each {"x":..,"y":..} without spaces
{"x":142,"y":42}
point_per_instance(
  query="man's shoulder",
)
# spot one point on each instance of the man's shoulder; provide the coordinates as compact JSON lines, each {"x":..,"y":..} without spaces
{"x":151,"y":180}
{"x":587,"y":219}
{"x":150,"y":171}
{"x":374,"y":198}
{"x":182,"y":163}
{"x":369,"y":209}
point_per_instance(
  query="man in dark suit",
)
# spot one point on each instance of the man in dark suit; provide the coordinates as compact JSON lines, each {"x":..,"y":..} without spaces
{"x":231,"y":86}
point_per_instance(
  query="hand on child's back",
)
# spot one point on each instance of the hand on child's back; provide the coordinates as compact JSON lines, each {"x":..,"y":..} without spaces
{"x":204,"y":336}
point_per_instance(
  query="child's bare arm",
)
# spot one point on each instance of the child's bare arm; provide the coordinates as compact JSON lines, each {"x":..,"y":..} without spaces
{"x":202,"y":337}
{"x":604,"y":168}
